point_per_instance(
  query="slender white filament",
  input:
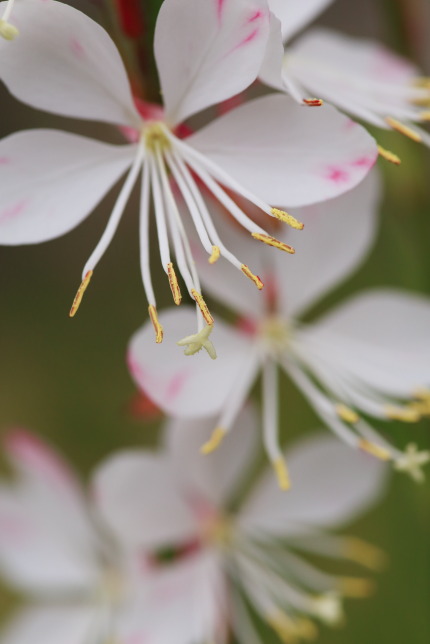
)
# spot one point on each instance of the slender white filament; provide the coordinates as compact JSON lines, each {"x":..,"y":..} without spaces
{"x":144,"y":236}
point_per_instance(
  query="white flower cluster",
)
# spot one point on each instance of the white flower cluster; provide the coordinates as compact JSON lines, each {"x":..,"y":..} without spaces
{"x":166,"y":547}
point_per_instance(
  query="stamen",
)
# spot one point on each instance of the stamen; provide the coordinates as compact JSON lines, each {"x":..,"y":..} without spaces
{"x":412,"y":461}
{"x":403,"y":129}
{"x":254,"y":278}
{"x":364,"y":553}
{"x":215,"y":255}
{"x":282,"y":475}
{"x":198,"y":341}
{"x":424,"y":116}
{"x":174,"y":286}
{"x":356,"y":587}
{"x":347,"y":414}
{"x":287,"y":219}
{"x":374,"y":450}
{"x":290,"y":629}
{"x":214,"y":442}
{"x":7,"y":30}
{"x":389,"y":156}
{"x":329,"y":608}
{"x":203,"y":307}
{"x":313,"y":102}
{"x":155,"y":323}
{"x":80,"y":294}
{"x":407,"y":414}
{"x":272,"y":241}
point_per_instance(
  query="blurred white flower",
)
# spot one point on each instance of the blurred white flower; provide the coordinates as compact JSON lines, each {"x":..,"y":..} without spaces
{"x":361,"y":77}
{"x":268,"y":151}
{"x":368,"y":356}
{"x":233,"y":559}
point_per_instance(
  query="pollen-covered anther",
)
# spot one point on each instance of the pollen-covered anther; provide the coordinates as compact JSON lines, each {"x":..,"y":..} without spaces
{"x":203,"y":307}
{"x":197,"y":341}
{"x":287,"y":219}
{"x":80,"y":294}
{"x":389,"y":156}
{"x":254,"y":278}
{"x":313,"y":102}
{"x":216,"y":253}
{"x":214,"y":442}
{"x":272,"y":241}
{"x":412,"y":462}
{"x":347,"y":414}
{"x":7,"y":30}
{"x":356,"y":587}
{"x":156,"y":324}
{"x":364,"y":554}
{"x":282,"y":475}
{"x":174,"y":285}
{"x":375,"y":450}
{"x":403,"y":129}
{"x":407,"y":414}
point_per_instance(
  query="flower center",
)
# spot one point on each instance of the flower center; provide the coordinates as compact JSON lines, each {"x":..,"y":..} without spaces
{"x":154,"y":137}
{"x":276,"y":334}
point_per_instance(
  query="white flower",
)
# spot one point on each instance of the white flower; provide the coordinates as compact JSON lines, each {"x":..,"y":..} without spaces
{"x":268,"y":151}
{"x":368,"y":357}
{"x":361,"y":77}
{"x":75,"y":576}
{"x":174,"y":499}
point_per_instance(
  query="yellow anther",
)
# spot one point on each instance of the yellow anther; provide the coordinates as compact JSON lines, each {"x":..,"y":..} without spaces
{"x":214,"y":442}
{"x":375,"y":450}
{"x":284,"y":626}
{"x":203,"y":307}
{"x":364,"y":553}
{"x":388,"y":155}
{"x":423,"y":82}
{"x":155,"y":323}
{"x":356,"y":587}
{"x":174,"y":285}
{"x":272,"y":241}
{"x":407,"y":414}
{"x":254,"y":278}
{"x":8,"y":31}
{"x":80,"y":294}
{"x":287,"y":219}
{"x":403,"y":129}
{"x":425,"y":115}
{"x":347,"y":414}
{"x":281,"y":472}
{"x":313,"y":102}
{"x":215,"y":255}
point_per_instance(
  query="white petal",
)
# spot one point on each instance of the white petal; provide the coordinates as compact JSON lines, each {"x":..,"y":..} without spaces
{"x":382,"y":337}
{"x":52,"y":180}
{"x":331,"y":484}
{"x":64,"y":62}
{"x":271,"y":69}
{"x":50,"y":625}
{"x":296,"y":14}
{"x":186,"y":386}
{"x":208,"y":51}
{"x":213,"y":477}
{"x":287,"y":154}
{"x":138,"y":496}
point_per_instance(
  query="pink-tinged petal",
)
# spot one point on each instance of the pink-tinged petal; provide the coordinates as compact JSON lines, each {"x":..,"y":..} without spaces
{"x":211,"y":480}
{"x":331,"y":484}
{"x":50,"y":624}
{"x":286,"y":154}
{"x":381,"y":337}
{"x":138,"y":497}
{"x":186,"y":386}
{"x":296,"y":14}
{"x":64,"y":62}
{"x":208,"y":51}
{"x":52,"y":180}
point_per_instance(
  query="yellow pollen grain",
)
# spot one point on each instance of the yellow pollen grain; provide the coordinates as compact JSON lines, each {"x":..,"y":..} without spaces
{"x":347,"y":414}
{"x":80,"y":294}
{"x":272,"y":241}
{"x":287,"y":219}
{"x":155,"y":323}
{"x":281,"y":472}
{"x":215,"y":255}
{"x":174,"y":285}
{"x":214,"y":442}
{"x":403,"y":129}
{"x":254,"y":278}
{"x":356,"y":587}
{"x":408,"y":414}
{"x":364,"y":553}
{"x":389,"y":156}
{"x":375,"y":450}
{"x":313,"y":102}
{"x":203,"y":307}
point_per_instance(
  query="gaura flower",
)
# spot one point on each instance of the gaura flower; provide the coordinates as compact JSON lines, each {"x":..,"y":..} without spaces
{"x":269,"y":151}
{"x":76,"y":577}
{"x":369,"y":357}
{"x":361,"y":77}
{"x":251,"y":556}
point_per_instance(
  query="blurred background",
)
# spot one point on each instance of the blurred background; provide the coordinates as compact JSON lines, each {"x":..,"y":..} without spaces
{"x":67,"y":379}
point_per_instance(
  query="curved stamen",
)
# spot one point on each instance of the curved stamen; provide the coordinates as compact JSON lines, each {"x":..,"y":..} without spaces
{"x":271,"y":422}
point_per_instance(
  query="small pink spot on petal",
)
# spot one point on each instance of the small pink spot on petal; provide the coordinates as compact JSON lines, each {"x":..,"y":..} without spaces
{"x":337,"y":174}
{"x":176,"y":384}
{"x":12,"y":211}
{"x":219,"y":8}
{"x":4,"y":160}
{"x":363,"y":162}
{"x":77,"y":48}
{"x":256,"y":16}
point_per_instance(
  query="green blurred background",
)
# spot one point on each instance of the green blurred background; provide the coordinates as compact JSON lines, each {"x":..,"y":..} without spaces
{"x":67,"y":379}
